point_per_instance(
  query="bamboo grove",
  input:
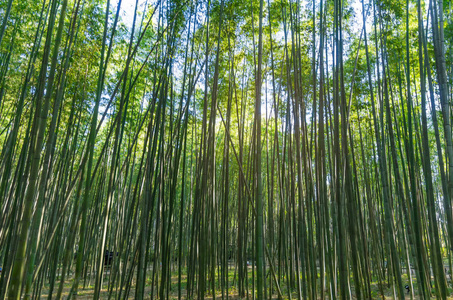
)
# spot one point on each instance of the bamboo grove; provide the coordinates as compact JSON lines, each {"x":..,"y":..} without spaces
{"x":222,"y":148}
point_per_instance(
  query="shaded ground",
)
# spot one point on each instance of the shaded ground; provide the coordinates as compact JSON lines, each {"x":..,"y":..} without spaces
{"x":88,"y":291}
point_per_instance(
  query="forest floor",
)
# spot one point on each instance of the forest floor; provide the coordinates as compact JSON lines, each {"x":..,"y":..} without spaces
{"x":87,"y":292}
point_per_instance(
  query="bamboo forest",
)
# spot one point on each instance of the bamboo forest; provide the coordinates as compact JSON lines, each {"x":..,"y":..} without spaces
{"x":226,"y":149}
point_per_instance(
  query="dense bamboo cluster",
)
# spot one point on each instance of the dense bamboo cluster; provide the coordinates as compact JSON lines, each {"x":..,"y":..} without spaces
{"x":224,"y":148}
